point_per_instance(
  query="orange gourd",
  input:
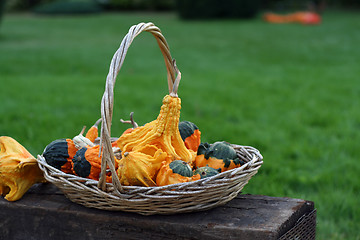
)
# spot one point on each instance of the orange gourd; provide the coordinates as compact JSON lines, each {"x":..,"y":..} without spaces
{"x":59,"y":153}
{"x":190,"y":134}
{"x":93,"y":132}
{"x":87,"y":163}
{"x":166,"y":176}
{"x":219,"y":155}
{"x":296,"y":17}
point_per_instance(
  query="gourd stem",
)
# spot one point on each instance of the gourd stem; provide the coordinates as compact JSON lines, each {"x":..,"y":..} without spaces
{"x":135,"y":125}
{"x":82,"y":130}
{"x":131,"y":121}
{"x":173,"y":93}
{"x":96,"y":124}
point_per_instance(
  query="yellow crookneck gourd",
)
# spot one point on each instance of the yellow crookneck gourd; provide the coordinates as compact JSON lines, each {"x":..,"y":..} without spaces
{"x":18,"y":169}
{"x":162,"y":133}
{"x":145,"y":148}
{"x":138,"y":168}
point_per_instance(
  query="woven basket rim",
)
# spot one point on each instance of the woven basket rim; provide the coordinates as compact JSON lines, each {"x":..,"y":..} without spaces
{"x":185,"y":197}
{"x":256,"y":161}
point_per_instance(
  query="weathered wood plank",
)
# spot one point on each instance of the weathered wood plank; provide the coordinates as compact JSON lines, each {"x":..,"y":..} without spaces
{"x":44,"y":213}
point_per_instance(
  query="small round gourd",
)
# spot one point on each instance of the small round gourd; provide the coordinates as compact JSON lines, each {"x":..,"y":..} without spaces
{"x":87,"y":163}
{"x":206,"y":171}
{"x":217,"y":155}
{"x":59,"y":153}
{"x":166,"y":176}
{"x":81,"y":165}
{"x":221,"y":150}
{"x":187,"y":129}
{"x":181,"y":167}
{"x":190,"y":134}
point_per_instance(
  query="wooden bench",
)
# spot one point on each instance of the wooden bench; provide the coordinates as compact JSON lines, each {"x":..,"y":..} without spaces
{"x":45,"y":213}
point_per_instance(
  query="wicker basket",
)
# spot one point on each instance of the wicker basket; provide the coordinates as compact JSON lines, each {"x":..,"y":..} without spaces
{"x":176,"y":198}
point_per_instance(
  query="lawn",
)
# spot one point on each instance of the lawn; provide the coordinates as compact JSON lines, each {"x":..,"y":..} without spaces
{"x":291,"y":91}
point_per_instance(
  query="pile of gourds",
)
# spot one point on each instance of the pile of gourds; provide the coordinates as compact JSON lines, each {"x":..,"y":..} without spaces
{"x":162,"y":152}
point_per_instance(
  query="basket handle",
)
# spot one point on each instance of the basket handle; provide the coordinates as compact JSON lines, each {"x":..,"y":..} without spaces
{"x":107,"y":101}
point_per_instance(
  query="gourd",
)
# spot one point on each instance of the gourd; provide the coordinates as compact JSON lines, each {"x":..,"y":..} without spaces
{"x":206,"y":171}
{"x":303,"y":17}
{"x":190,"y":134}
{"x":18,"y":169}
{"x":93,"y":132}
{"x":59,"y":153}
{"x":139,"y":168}
{"x":162,"y":133}
{"x":87,"y":140}
{"x":87,"y":163}
{"x":181,"y":167}
{"x":167,"y":176}
{"x":217,"y":155}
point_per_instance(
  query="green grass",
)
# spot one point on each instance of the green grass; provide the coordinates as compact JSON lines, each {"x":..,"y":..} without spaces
{"x":291,"y":91}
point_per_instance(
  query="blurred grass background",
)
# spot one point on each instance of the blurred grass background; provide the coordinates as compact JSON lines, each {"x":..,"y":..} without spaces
{"x":291,"y":91}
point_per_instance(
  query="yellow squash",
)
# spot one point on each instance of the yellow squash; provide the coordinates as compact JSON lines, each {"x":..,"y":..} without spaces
{"x":18,"y":169}
{"x":140,"y":168}
{"x":162,"y":133}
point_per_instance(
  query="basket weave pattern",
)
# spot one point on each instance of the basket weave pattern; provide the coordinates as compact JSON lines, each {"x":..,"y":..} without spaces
{"x":176,"y":198}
